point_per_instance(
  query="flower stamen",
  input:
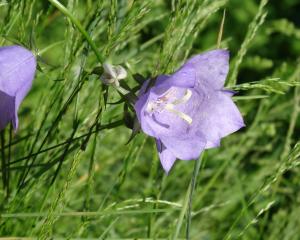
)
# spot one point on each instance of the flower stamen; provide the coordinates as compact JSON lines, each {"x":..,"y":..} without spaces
{"x":183,"y":116}
{"x":162,"y":104}
{"x":185,"y":98}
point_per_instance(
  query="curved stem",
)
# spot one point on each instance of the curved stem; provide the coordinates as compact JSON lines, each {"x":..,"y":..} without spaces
{"x":68,"y":14}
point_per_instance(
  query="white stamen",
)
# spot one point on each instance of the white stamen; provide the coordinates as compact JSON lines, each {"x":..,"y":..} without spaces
{"x":185,"y":117}
{"x":162,"y":103}
{"x":185,"y":98}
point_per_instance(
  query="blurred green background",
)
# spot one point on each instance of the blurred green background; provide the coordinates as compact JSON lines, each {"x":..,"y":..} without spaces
{"x":73,"y":174}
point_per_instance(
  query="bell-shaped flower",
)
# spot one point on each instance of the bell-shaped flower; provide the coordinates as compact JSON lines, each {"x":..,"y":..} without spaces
{"x":17,"y":70}
{"x":190,"y":110}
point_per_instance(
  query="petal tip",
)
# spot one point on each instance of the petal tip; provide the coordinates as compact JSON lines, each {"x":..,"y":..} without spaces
{"x":228,"y":92}
{"x":225,"y":52}
{"x":213,"y":144}
{"x":242,"y":125}
{"x":22,"y":50}
{"x":167,"y":159}
{"x":167,"y":162}
{"x":166,"y":167}
{"x":15,"y":123}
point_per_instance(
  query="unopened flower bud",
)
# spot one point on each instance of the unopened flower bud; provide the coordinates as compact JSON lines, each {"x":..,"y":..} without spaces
{"x":113,"y":74}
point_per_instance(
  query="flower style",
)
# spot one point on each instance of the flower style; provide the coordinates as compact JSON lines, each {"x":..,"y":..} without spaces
{"x":190,"y":110}
{"x":17,"y":70}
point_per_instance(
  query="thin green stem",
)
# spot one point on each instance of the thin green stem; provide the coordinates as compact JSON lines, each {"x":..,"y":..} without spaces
{"x":99,"y":128}
{"x":89,"y":214}
{"x":221,"y":30}
{"x":187,"y":204}
{"x":193,"y":185}
{"x":68,"y":14}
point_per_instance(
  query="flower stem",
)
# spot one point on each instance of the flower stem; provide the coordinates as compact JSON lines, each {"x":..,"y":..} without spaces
{"x":221,"y":30}
{"x":121,"y":90}
{"x":81,"y":29}
{"x":193,"y":185}
{"x":187,"y":204}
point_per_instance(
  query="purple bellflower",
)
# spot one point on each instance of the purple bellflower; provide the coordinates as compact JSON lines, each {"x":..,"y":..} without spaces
{"x":17,"y":70}
{"x":190,"y":110}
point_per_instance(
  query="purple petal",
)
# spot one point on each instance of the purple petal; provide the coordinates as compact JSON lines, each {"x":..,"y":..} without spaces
{"x":185,"y":148}
{"x":167,"y":158}
{"x":228,"y":92}
{"x":154,"y":124}
{"x":218,"y":118}
{"x":21,"y":94}
{"x":7,"y":109}
{"x":211,"y":68}
{"x":190,"y":110}
{"x":185,"y":77}
{"x":169,"y":124}
{"x":144,"y":87}
{"x":18,"y":67}
{"x":140,"y":107}
{"x":161,"y":79}
{"x":211,"y":144}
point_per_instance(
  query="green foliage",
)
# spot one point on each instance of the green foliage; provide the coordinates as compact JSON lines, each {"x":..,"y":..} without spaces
{"x":69,"y":172}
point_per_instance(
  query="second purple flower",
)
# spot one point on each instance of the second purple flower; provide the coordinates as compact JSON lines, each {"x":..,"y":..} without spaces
{"x":189,"y":111}
{"x":17,"y":70}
